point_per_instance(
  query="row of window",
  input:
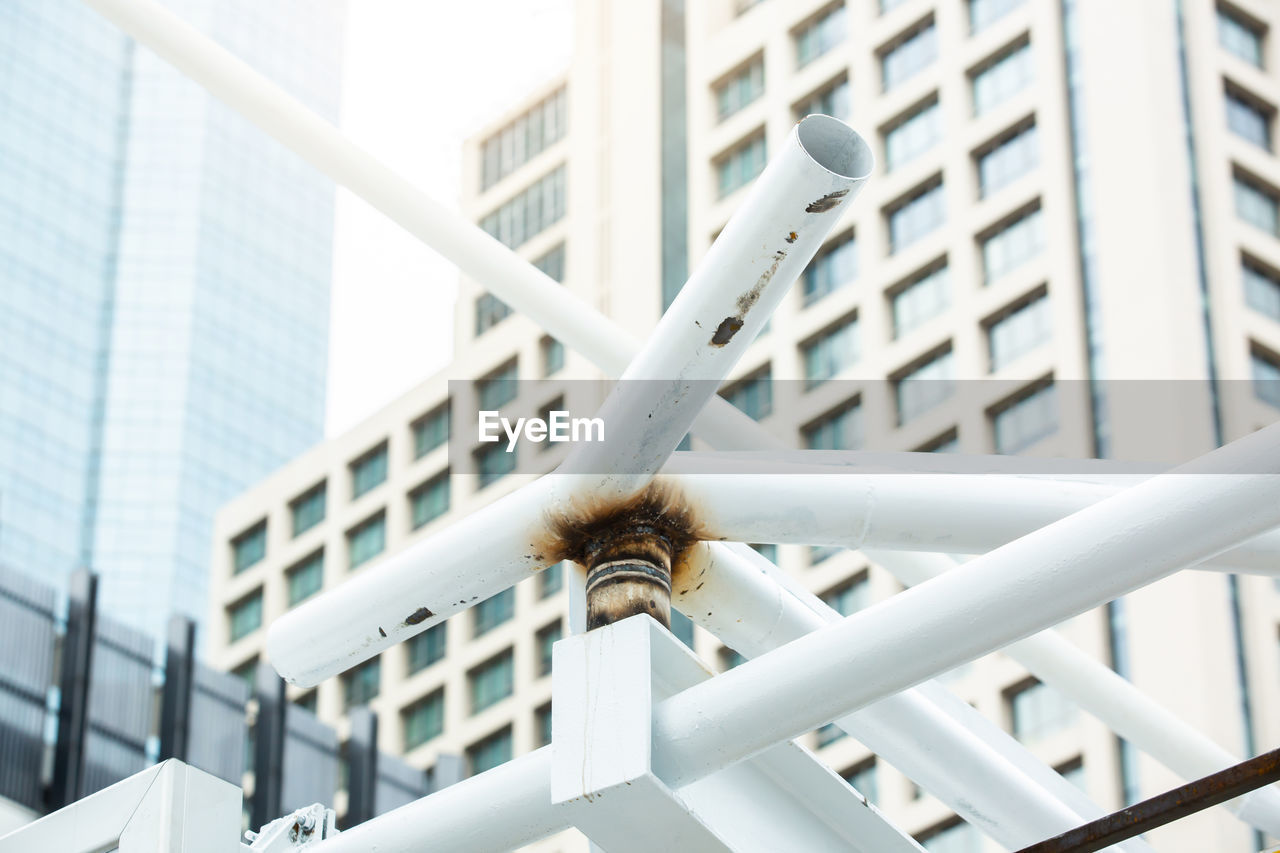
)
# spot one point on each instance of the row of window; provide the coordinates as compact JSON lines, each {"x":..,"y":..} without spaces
{"x":527,"y":136}
{"x":995,"y":81}
{"x":1017,"y":422}
{"x":490,"y":310}
{"x":530,"y":212}
{"x":982,"y":13}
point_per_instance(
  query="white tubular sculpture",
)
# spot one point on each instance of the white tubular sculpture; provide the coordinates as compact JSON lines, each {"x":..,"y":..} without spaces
{"x":700,"y":748}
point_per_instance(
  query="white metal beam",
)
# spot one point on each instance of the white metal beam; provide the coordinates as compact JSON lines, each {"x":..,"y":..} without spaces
{"x":1126,"y":710}
{"x":1086,"y":559}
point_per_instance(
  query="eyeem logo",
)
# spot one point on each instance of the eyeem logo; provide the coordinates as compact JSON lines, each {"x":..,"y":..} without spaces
{"x":559,"y":427}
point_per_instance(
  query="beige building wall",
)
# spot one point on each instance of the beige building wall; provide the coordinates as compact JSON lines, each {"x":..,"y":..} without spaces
{"x":1148,"y":244}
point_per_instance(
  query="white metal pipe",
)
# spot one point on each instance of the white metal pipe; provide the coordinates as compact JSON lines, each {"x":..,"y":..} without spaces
{"x":772,"y":236}
{"x":969,"y":764}
{"x":1093,"y":556}
{"x":500,"y":809}
{"x":1126,"y":710}
{"x":955,"y":513}
{"x":475,"y":557}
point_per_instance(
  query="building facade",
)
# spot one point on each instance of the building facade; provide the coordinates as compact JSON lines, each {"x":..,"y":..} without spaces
{"x":165,"y":309}
{"x":1074,"y":218}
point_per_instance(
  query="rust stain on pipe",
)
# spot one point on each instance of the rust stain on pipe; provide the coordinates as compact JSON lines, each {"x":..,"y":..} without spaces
{"x":731,"y":325}
{"x":827,"y":202}
{"x":629,"y":549}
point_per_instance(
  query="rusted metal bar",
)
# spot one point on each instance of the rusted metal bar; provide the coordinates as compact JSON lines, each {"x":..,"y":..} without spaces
{"x":1167,"y":807}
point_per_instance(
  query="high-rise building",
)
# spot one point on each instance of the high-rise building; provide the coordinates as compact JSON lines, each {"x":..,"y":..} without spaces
{"x":165,"y":302}
{"x":1067,"y":195}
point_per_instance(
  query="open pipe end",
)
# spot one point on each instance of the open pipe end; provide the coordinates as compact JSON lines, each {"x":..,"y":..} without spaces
{"x":836,"y":147}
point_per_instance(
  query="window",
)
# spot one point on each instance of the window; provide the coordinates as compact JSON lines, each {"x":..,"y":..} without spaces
{"x":1019,"y":329}
{"x":921,"y":298}
{"x":249,"y":547}
{"x":542,"y":724}
{"x":366,"y":540}
{"x":768,"y":550}
{"x":1026,"y":419}
{"x":246,"y":615}
{"x":1038,"y":710}
{"x":832,"y":99}
{"x":820,"y":35}
{"x":308,"y":508}
{"x":948,"y":442}
{"x":490,"y":311}
{"x":491,"y":681}
{"x":427,"y":648}
{"x":831,"y":352}
{"x":829,"y":734}
{"x":431,"y":430}
{"x":1011,"y":156}
{"x":839,"y":429}
{"x":911,"y":53}
{"x":835,"y":265}
{"x":360,"y":685}
{"x":1257,"y":204}
{"x":552,"y":356}
{"x":682,"y":627}
{"x":247,"y":672}
{"x":369,"y":470}
{"x":916,"y":215}
{"x":1266,"y":376}
{"x":497,"y":388}
{"x":983,"y":13}
{"x":729,"y":659}
{"x":1261,"y":288}
{"x":1240,"y":36}
{"x":953,"y":837}
{"x":926,"y":386}
{"x":754,"y":394}
{"x":545,"y":639}
{"x":423,"y":720}
{"x":493,"y":462}
{"x":862,"y":777}
{"x":552,"y":262}
{"x":1248,"y":119}
{"x":740,"y":88}
{"x":551,"y":580}
{"x":523,"y":139}
{"x":1012,"y":244}
{"x":530,"y":213}
{"x":429,"y":501}
{"x":1002,"y":78}
{"x":493,"y":611}
{"x":305,"y":578}
{"x":489,"y":752}
{"x":848,"y":597}
{"x":818,"y":553}
{"x":308,"y":700}
{"x":544,"y":412}
{"x":740,"y":165}
{"x":913,"y":134}
{"x":1073,"y":772}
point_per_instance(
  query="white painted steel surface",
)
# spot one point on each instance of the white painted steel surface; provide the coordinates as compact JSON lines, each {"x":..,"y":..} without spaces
{"x":955,"y":513}
{"x":1093,"y":556}
{"x":170,"y":807}
{"x":1126,"y":710}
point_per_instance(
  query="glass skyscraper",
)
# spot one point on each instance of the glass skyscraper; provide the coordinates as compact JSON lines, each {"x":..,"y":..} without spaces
{"x":164,"y":292}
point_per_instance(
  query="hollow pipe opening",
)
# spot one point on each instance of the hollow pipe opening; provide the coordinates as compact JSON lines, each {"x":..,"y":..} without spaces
{"x":835,"y":146}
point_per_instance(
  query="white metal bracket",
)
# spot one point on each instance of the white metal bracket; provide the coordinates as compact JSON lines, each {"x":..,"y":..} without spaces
{"x":606,"y":684}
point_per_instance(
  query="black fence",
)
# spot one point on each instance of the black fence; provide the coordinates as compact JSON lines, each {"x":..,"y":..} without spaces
{"x":117,"y":706}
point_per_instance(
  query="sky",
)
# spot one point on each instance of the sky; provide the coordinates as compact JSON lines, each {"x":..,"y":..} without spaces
{"x":413,"y":89}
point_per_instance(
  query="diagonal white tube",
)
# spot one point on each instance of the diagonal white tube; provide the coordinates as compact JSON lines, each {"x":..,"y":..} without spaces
{"x":1130,"y":713}
{"x":931,"y":512}
{"x":1100,"y":553}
